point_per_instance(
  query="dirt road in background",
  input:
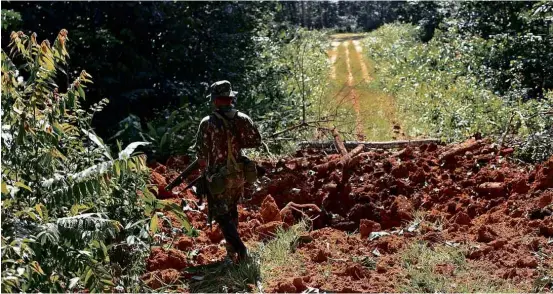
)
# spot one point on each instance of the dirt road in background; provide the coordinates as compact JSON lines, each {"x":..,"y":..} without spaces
{"x":373,"y":111}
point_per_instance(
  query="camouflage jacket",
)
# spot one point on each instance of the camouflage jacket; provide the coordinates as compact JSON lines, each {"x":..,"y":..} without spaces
{"x":211,"y":139}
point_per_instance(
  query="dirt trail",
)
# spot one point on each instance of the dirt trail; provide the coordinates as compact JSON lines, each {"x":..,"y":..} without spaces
{"x":373,"y":114}
{"x":361,"y":60}
{"x":468,"y":196}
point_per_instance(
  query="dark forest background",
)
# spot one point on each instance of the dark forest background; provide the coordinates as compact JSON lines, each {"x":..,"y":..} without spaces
{"x":151,"y":57}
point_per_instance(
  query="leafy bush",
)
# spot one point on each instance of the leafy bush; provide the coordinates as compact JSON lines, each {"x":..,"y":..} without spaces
{"x":440,"y":91}
{"x":74,"y":216}
{"x":170,"y":134}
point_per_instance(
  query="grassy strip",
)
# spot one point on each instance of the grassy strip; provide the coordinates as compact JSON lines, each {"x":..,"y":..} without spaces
{"x":445,"y":269}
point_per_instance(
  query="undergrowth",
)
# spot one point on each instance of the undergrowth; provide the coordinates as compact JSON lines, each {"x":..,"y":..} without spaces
{"x":440,"y":93}
{"x":75,"y":216}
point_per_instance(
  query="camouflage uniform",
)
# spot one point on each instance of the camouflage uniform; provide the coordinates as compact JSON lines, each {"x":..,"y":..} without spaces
{"x":212,"y":147}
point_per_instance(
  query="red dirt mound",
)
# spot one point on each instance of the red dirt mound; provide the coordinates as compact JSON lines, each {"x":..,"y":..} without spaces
{"x":469,"y":193}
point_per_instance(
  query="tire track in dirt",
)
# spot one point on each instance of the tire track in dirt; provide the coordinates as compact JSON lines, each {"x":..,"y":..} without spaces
{"x":389,"y":113}
{"x":364,"y":70}
{"x":353,"y":96}
{"x":365,"y":112}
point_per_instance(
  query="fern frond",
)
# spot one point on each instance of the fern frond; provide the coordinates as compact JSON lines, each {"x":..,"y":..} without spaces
{"x":49,"y":234}
{"x":101,"y":168}
{"x":88,"y":222}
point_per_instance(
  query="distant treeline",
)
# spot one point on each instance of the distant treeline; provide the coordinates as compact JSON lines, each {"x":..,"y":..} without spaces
{"x":357,"y":16}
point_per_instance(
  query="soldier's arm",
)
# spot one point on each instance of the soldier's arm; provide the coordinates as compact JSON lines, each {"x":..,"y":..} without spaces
{"x":250,"y":133}
{"x":202,"y":143}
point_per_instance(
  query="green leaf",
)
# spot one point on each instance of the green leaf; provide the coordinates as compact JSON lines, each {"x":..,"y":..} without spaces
{"x":88,"y":276}
{"x":163,"y":140}
{"x":81,"y":92}
{"x":39,"y":208}
{"x":73,"y":282}
{"x":4,"y":188}
{"x":154,"y":224}
{"x":126,"y":153}
{"x":21,"y":185}
{"x":176,"y":209}
{"x":105,"y":251}
{"x":107,"y":282}
{"x":36,"y":268}
{"x":117,"y":168}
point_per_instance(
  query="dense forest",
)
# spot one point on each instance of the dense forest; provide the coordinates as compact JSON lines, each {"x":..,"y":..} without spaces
{"x":94,"y":93}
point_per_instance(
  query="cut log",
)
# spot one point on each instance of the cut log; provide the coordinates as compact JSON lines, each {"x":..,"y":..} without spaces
{"x":368,"y":145}
{"x":339,"y":144}
{"x":469,"y":146}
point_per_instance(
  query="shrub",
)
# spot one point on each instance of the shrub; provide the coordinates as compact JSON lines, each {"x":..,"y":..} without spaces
{"x":75,"y":217}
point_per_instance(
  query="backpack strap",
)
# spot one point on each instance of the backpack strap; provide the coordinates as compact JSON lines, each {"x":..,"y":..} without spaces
{"x":231,"y":160}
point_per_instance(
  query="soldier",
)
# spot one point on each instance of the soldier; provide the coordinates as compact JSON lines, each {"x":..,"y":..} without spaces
{"x":219,"y":142}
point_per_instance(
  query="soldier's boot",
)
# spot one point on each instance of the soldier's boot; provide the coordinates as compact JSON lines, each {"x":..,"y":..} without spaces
{"x":243,"y":255}
{"x":231,"y":254}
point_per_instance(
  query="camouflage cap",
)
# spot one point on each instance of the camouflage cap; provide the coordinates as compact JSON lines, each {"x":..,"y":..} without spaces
{"x":221,"y":88}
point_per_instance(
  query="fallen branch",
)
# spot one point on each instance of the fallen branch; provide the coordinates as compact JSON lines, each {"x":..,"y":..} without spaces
{"x":369,"y":145}
{"x":339,"y":144}
{"x":297,"y":207}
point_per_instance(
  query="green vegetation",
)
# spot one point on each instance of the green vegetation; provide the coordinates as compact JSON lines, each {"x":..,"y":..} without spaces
{"x":444,"y":269}
{"x":275,"y":254}
{"x":74,"y":215}
{"x":439,"y":91}
{"x":78,"y":211}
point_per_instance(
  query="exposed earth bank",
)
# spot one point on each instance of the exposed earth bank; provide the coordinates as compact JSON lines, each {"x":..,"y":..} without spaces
{"x":369,"y":209}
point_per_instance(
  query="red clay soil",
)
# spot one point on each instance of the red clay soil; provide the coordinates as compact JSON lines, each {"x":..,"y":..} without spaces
{"x":482,"y":198}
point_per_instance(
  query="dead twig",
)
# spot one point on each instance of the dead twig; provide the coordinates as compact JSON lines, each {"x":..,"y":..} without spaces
{"x":504,"y":135}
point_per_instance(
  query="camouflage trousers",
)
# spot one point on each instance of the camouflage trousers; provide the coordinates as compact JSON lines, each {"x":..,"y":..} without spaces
{"x":224,"y":209}
{"x":226,"y":202}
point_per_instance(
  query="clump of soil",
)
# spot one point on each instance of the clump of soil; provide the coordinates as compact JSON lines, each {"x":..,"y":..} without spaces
{"x":469,"y":193}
